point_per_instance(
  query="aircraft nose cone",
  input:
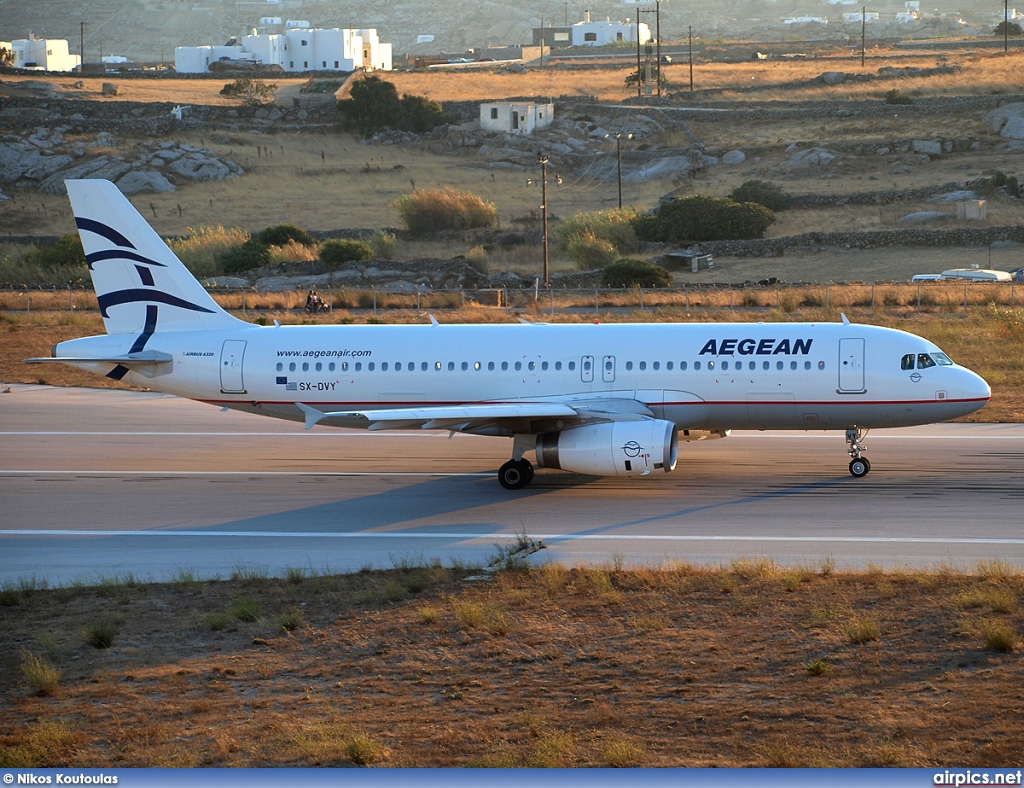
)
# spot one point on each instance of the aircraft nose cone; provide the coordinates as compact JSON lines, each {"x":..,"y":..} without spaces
{"x":975,"y":389}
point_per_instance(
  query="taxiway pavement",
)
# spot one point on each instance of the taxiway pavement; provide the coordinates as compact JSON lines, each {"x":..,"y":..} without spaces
{"x":100,"y":483}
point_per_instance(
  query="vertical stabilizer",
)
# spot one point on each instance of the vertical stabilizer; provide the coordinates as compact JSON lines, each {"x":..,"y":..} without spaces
{"x":141,"y":286}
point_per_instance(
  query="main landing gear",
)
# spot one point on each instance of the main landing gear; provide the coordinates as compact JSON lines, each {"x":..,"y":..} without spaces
{"x":515,"y":474}
{"x":859,"y":466}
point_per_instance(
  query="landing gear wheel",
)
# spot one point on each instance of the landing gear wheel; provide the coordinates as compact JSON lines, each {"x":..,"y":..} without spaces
{"x":860,"y":466}
{"x":515,"y":474}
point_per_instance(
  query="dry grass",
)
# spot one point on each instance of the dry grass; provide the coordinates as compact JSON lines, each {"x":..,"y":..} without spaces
{"x":740,"y":671}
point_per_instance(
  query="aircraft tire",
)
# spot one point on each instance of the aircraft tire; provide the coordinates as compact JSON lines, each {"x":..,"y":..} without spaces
{"x":859,"y":467}
{"x":515,"y":475}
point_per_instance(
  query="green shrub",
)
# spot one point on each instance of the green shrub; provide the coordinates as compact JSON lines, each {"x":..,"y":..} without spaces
{"x":770,"y":195}
{"x":895,"y":97}
{"x":67,"y":251}
{"x":588,"y":251}
{"x":1002,"y":181}
{"x":344,"y":250}
{"x":383,"y":244}
{"x":100,"y":634}
{"x":250,"y":91}
{"x":614,"y":226}
{"x":420,"y":114}
{"x":374,"y":105}
{"x":251,"y":254}
{"x":201,"y":249}
{"x":281,"y":234}
{"x":998,"y":635}
{"x":629,"y":272}
{"x":429,"y":210}
{"x":704,"y":218}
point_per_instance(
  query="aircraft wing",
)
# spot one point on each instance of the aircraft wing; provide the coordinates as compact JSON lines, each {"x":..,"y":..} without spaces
{"x":463,"y":417}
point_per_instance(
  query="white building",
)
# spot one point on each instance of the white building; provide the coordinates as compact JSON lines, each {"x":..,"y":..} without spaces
{"x":298,"y":48}
{"x":608,"y":33}
{"x":516,"y":118}
{"x":47,"y":54}
{"x":869,"y":16}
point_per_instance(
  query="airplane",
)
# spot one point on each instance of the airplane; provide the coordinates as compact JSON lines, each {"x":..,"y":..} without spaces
{"x":597,"y":399}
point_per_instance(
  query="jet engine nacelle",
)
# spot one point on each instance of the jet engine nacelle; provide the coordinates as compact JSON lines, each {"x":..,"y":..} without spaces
{"x":617,"y":448}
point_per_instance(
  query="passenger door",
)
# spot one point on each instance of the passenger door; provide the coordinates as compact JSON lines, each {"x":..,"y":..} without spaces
{"x":851,"y":366}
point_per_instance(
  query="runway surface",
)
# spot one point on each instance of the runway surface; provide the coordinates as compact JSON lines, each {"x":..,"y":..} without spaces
{"x":100,"y":483}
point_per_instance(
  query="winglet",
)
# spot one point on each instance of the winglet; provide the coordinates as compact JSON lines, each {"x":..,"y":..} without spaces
{"x":312,"y":414}
{"x":846,"y":320}
{"x":433,"y":320}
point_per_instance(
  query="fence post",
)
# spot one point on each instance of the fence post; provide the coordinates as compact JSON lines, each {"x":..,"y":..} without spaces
{"x":243,"y":300}
{"x":597,"y":307}
{"x":872,"y":298}
{"x":641,"y":298}
{"x":28,"y":301}
{"x":551,"y":297}
{"x":463,"y":294}
{"x":71,"y":297}
{"x":1012,"y":301}
{"x":826,"y":298}
{"x":686,"y":292}
{"x":919,"y":297}
{"x":374,"y":301}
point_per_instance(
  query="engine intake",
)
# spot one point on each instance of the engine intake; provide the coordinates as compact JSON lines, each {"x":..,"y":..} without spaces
{"x":617,"y":448}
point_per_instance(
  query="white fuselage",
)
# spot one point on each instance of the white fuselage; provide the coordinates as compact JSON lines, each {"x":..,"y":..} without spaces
{"x":703,"y":376}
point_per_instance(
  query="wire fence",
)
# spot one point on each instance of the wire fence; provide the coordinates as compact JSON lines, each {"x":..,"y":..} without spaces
{"x":943,"y":296}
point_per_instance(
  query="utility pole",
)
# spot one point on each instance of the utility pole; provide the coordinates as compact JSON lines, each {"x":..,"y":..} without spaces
{"x":864,"y":33}
{"x":81,"y":49}
{"x":657,"y":33}
{"x":638,"y":52}
{"x":1006,"y":25}
{"x":543,"y":159}
{"x":691,"y":58}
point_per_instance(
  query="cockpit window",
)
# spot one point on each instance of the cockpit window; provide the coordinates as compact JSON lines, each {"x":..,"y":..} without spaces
{"x":942,"y":359}
{"x":924,"y":361}
{"x":907,"y":362}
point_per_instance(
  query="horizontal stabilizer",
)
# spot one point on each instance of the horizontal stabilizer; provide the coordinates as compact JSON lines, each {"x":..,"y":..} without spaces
{"x":147,"y":358}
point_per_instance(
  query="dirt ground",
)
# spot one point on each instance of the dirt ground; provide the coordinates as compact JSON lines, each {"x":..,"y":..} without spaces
{"x":747,"y":665}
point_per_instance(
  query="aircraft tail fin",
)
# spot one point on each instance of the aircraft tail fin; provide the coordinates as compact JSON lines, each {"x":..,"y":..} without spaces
{"x":141,"y":286}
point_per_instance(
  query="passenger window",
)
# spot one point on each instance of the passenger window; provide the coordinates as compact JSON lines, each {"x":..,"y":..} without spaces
{"x":330,"y":367}
{"x":767,"y":365}
{"x":924,"y":361}
{"x":437,"y":366}
{"x":725,"y":365}
{"x":305,"y":366}
{"x":682,"y":366}
{"x":629,"y":366}
{"x":369,"y":367}
{"x":544,"y":366}
{"x":532,"y":365}
{"x":807,"y":365}
{"x":792,"y":365}
{"x":451,"y":366}
{"x":465,"y":366}
{"x":778,"y":365}
{"x":423,"y":366}
{"x":821,"y":365}
{"x":477,"y":366}
{"x":359,"y":366}
{"x":558,"y":366}
{"x":504,"y":366}
{"x":490,"y":366}
{"x":280,"y":366}
{"x":711,"y":365}
{"x":696,"y":365}
{"x":519,"y":365}
{"x":344,"y":366}
{"x":319,"y":366}
{"x":384,"y":366}
{"x":753,"y":365}
{"x":668,"y":366}
{"x":643,"y":365}
{"x":398,"y":366}
{"x":655,"y":366}
{"x":586,"y":366}
{"x":907,"y":361}
{"x":291,"y":367}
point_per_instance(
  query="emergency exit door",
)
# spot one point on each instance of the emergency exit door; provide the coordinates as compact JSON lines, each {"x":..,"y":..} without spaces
{"x":851,"y":366}
{"x":231,"y":381}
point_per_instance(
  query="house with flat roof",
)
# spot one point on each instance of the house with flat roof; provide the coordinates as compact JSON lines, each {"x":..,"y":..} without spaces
{"x":516,"y":117}
{"x":44,"y":54}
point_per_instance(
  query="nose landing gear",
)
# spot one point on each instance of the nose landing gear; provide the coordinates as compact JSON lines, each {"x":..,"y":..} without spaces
{"x":859,"y":466}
